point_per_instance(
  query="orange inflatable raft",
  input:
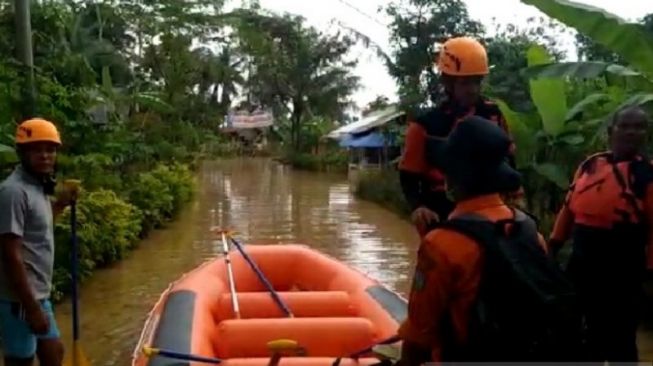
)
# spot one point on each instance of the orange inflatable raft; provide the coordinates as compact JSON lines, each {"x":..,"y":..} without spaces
{"x":337,"y":311}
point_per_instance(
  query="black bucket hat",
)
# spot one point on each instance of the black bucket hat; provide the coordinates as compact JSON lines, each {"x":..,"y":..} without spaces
{"x":475,"y":157}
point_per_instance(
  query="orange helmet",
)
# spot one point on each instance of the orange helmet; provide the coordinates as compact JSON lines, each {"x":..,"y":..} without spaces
{"x":463,"y":56}
{"x":37,"y":130}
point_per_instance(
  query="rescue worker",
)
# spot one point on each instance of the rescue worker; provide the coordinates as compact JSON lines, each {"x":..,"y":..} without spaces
{"x":27,"y":323}
{"x":463,"y":63}
{"x":608,"y":213}
{"x":448,"y":270}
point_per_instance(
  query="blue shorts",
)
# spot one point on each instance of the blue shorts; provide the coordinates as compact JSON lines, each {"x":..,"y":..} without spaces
{"x":16,"y":336}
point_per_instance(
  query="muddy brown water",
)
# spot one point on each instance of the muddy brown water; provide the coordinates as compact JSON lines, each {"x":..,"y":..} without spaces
{"x":266,"y":203}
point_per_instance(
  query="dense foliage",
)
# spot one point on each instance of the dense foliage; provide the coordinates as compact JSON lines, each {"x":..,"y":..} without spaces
{"x":139,"y":90}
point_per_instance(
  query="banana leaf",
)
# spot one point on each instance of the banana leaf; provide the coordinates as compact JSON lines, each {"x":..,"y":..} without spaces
{"x":548,"y":95}
{"x":630,"y":40}
{"x":580,"y":70}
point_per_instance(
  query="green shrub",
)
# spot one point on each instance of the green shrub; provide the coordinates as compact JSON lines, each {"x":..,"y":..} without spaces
{"x":335,"y":161}
{"x":91,"y":168}
{"x":161,"y":193}
{"x":382,"y":187}
{"x":219,"y":146}
{"x":153,"y":197}
{"x":331,"y":161}
{"x":304,"y":161}
{"x":180,"y":182}
{"x":107,"y":227}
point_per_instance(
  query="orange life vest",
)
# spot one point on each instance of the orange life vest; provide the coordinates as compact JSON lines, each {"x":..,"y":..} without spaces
{"x":440,"y":121}
{"x":607,"y":192}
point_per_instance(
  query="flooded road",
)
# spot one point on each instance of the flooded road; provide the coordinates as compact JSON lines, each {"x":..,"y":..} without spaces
{"x":264,"y":202}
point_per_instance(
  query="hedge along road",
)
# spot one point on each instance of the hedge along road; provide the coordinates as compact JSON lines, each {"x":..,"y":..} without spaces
{"x":266,"y":203}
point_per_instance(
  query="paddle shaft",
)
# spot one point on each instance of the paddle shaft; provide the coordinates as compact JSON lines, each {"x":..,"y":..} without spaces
{"x":230,"y":274}
{"x":187,"y":357}
{"x":74,"y":267}
{"x":393,"y":339}
{"x":356,"y":355}
{"x":263,"y":279}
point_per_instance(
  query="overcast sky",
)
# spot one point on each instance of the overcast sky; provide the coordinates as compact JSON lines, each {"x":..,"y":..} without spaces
{"x":369,"y":20}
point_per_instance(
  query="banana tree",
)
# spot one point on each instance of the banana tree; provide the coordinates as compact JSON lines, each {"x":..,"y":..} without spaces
{"x":552,"y":139}
{"x":631,"y":41}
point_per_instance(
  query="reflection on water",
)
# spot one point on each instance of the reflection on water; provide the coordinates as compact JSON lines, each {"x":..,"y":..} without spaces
{"x":264,"y":202}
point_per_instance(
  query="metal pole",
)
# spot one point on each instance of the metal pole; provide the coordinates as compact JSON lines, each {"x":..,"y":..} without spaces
{"x":230,"y":274}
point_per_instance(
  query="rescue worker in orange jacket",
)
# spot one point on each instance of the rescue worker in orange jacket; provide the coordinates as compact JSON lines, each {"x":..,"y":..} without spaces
{"x":463,"y":63}
{"x":448,"y":270}
{"x":609,"y":215}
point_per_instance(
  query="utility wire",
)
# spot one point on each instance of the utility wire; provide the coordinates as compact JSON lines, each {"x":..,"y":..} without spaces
{"x":348,"y":4}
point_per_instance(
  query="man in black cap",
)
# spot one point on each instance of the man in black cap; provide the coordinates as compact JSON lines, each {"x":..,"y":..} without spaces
{"x":482,"y":257}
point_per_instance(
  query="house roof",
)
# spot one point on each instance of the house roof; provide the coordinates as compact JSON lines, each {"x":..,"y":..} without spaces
{"x":375,"y":119}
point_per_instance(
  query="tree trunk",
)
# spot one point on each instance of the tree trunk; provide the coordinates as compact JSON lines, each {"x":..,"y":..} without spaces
{"x":296,"y":118}
{"x":25,"y":56}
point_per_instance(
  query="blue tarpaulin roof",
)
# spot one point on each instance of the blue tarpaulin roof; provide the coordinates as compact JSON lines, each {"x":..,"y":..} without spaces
{"x":373,"y":139}
{"x":375,"y":119}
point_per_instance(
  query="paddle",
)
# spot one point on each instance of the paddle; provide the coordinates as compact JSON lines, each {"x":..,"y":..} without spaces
{"x":356,"y":355}
{"x":77,"y":358}
{"x":151,"y":351}
{"x":279,"y":346}
{"x":262,"y":277}
{"x":230,"y":273}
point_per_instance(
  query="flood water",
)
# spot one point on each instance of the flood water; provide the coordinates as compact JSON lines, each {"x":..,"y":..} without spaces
{"x":264,"y":202}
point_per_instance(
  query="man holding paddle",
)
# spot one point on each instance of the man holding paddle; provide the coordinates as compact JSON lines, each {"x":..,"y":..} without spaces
{"x":27,"y":323}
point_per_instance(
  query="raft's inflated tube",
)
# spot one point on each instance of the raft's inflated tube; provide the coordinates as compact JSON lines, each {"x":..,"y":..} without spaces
{"x":279,"y":301}
{"x":330,"y":337}
{"x":303,"y":305}
{"x":299,"y":361}
{"x":175,"y":327}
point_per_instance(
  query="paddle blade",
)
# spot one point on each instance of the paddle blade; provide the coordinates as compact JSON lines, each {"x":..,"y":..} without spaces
{"x":387,"y":352}
{"x":282,"y":345}
{"x":218,"y":231}
{"x":76,"y":357}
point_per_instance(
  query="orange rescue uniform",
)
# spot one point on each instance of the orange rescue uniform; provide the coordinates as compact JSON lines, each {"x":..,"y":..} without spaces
{"x":447,"y":278}
{"x":424,"y":184}
{"x":609,"y":215}
{"x":591,"y":210}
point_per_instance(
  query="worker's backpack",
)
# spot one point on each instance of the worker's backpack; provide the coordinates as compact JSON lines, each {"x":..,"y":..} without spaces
{"x":526,"y":310}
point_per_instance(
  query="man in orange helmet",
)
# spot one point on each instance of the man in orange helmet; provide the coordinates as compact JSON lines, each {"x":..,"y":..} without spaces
{"x":463,"y":63}
{"x":27,"y":323}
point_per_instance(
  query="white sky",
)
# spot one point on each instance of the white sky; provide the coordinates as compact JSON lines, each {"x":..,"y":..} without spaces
{"x":374,"y":76}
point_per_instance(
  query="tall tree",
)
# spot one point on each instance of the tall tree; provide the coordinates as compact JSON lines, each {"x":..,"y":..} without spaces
{"x":417,"y":27}
{"x":381,"y":101}
{"x":25,"y":54}
{"x":298,"y":70}
{"x":507,"y":53}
